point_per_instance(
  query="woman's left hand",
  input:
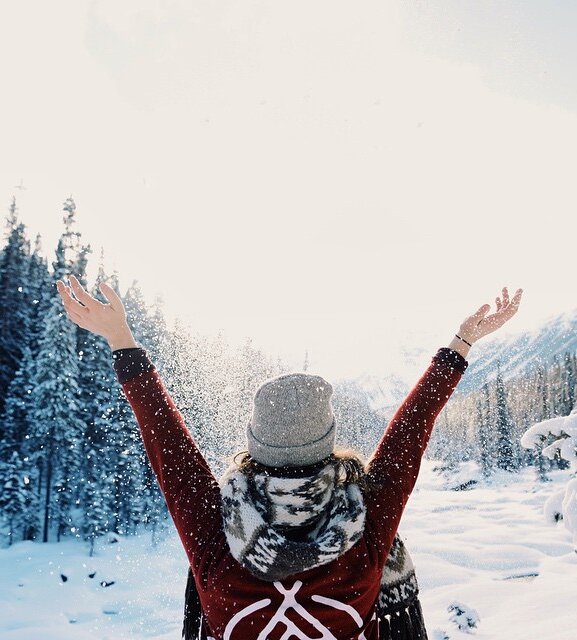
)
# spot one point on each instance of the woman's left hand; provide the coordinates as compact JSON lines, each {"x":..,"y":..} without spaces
{"x":479,"y":324}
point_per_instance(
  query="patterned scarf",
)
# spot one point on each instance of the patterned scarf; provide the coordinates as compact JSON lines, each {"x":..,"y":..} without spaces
{"x":277,"y":526}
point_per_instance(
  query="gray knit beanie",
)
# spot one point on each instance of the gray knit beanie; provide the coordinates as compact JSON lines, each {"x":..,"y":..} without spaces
{"x":292,"y":422}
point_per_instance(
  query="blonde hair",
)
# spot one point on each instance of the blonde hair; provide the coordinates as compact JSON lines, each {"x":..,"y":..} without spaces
{"x":348,"y":464}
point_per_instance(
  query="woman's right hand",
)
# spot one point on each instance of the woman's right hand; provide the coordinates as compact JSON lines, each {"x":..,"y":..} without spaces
{"x":106,"y":320}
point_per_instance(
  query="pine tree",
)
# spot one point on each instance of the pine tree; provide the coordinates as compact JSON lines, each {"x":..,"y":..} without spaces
{"x":359,"y":426}
{"x":555,"y":387}
{"x":187,"y":372}
{"x":543,"y":407}
{"x":484,"y":431}
{"x":151,"y":503}
{"x":14,"y":266}
{"x":40,"y":290}
{"x":95,"y":514}
{"x":57,"y":428}
{"x":142,"y":322}
{"x":15,"y":492}
{"x":136,"y":495}
{"x":15,"y":421}
{"x":56,"y":422}
{"x":155,"y":339}
{"x":560,"y":404}
{"x":15,"y":451}
{"x":450,"y":450}
{"x":146,"y":503}
{"x":97,"y":388}
{"x":506,"y":458}
{"x":568,"y":384}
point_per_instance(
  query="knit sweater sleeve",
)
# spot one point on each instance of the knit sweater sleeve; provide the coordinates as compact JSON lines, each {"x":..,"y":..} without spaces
{"x":186,"y":481}
{"x":395,"y":464}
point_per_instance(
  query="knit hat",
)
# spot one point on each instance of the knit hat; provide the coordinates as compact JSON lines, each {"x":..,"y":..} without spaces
{"x":292,"y":422}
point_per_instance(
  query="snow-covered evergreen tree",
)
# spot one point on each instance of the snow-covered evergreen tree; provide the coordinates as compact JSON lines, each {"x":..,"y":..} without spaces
{"x":568,"y":383}
{"x":57,"y":428}
{"x":40,"y":292}
{"x":198,"y":377}
{"x":139,"y":499}
{"x":14,"y":264}
{"x":557,"y":436}
{"x":14,"y":494}
{"x":146,"y":322}
{"x":359,"y":427}
{"x":71,"y":458}
{"x":505,"y":453}
{"x":15,"y":458}
{"x":484,"y":432}
{"x":97,"y":390}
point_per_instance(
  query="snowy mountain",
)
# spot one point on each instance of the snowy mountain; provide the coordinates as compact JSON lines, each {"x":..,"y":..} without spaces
{"x":521,"y":353}
{"x":385,"y":392}
{"x":518,"y":354}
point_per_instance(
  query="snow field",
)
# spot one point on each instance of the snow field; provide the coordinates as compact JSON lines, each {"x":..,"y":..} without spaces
{"x":483,"y":546}
{"x":145,"y":600}
{"x":478,"y":548}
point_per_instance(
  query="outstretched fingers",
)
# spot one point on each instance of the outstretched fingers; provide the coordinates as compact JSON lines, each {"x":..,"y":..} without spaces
{"x":480,"y":324}
{"x":510,"y":306}
{"x":70,"y":303}
{"x":111,"y":296}
{"x":83,"y":296}
{"x":506,"y":310}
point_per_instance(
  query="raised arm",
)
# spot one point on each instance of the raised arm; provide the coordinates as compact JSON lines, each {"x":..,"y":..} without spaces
{"x":397,"y":457}
{"x":187,"y":483}
{"x":399,"y":452}
{"x":174,"y":456}
{"x":394,"y":466}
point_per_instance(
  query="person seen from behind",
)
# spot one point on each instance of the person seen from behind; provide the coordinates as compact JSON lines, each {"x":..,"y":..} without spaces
{"x":295,"y":540}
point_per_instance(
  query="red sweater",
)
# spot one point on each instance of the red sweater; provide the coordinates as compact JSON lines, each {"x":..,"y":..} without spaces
{"x":333,"y":601}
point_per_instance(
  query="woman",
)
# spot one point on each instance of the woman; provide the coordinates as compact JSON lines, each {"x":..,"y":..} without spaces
{"x":293,"y":543}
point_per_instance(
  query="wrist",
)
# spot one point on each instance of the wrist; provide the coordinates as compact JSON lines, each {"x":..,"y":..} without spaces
{"x":121,"y":339}
{"x":460,"y":346}
{"x":468,"y":340}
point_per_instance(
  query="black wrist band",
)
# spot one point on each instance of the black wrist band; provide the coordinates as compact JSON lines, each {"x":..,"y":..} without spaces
{"x":463,"y":339}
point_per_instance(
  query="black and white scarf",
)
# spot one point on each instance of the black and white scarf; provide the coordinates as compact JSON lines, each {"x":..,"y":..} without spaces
{"x":278,"y":526}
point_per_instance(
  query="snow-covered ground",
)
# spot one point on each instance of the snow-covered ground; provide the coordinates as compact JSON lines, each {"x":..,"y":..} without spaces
{"x":479,"y":548}
{"x":482,"y":547}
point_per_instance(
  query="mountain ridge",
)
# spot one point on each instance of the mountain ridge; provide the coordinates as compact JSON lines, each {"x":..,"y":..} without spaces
{"x":518,"y":354}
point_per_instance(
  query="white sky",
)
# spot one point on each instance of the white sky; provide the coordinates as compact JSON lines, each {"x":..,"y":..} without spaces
{"x":323,"y":175}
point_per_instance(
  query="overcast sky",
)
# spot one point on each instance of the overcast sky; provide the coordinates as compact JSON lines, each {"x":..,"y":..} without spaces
{"x":326,"y":175}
